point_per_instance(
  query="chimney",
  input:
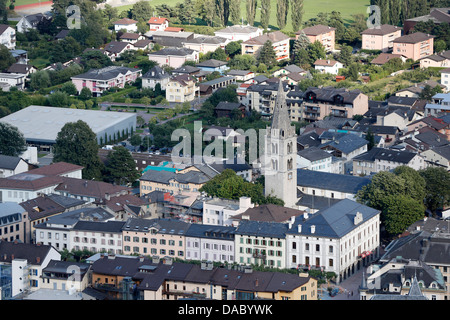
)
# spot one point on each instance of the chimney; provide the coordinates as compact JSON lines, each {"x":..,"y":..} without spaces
{"x":299,"y":228}
{"x":305,"y":215}
{"x":38,"y":259}
{"x":141,"y":258}
{"x":12,"y":257}
{"x":107,"y":196}
{"x":313,"y":229}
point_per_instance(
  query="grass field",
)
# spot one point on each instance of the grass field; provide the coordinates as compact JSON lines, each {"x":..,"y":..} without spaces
{"x":311,"y":8}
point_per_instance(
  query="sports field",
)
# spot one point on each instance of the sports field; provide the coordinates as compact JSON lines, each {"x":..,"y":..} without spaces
{"x":311,"y":8}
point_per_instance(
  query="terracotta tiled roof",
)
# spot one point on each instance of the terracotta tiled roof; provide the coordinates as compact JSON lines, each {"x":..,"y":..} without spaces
{"x":125,"y":21}
{"x":157,"y":20}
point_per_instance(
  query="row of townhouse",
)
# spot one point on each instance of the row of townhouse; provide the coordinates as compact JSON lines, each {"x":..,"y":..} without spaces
{"x":348,"y":239}
{"x":36,"y":272}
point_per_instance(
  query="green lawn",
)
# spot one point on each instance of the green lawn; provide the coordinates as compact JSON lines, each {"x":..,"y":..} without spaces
{"x":311,"y":8}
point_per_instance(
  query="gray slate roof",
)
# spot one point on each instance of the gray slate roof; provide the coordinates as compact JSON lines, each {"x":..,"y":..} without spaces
{"x":335,"y":221}
{"x":106,"y":73}
{"x":262,"y":229}
{"x":9,"y":162}
{"x":330,"y":181}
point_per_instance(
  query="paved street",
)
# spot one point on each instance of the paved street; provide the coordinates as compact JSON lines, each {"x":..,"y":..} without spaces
{"x":347,"y":287}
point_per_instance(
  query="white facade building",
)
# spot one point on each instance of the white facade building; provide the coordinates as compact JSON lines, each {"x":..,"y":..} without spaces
{"x":7,"y":36}
{"x":339,"y":239}
{"x":219,"y":211}
{"x":210,"y":243}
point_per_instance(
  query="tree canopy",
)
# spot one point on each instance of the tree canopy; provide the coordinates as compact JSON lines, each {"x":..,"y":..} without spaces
{"x":12,"y":141}
{"x":120,"y":166}
{"x":229,"y":185}
{"x":76,"y":143}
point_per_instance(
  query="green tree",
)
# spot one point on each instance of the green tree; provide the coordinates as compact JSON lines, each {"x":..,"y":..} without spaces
{"x":85,"y":94}
{"x":235,"y":11}
{"x":69,"y":88}
{"x":120,"y":167}
{"x":6,"y":58}
{"x":265,"y":13}
{"x":391,"y":192}
{"x":315,"y":51}
{"x":59,"y":99}
{"x":12,"y":141}
{"x":40,"y":80}
{"x":233,"y":48}
{"x":76,"y":143}
{"x":251,"y":11}
{"x":371,"y":138}
{"x":267,"y":54}
{"x":437,"y":190}
{"x":297,"y":12}
{"x":141,"y":10}
{"x":401,"y":211}
{"x":282,"y":13}
{"x":345,"y":56}
{"x":135,"y":140}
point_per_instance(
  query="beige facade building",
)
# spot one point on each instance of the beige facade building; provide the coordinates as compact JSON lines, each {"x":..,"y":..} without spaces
{"x":156,"y":237}
{"x":280,"y":44}
{"x":380,"y":38}
{"x":181,"y":88}
{"x":414,"y":46}
{"x":324,"y":34}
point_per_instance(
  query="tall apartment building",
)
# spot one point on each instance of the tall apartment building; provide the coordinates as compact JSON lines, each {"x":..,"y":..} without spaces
{"x":414,"y":46}
{"x":380,"y":38}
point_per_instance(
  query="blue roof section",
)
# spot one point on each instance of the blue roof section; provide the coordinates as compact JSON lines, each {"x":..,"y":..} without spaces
{"x":262,"y":229}
{"x":335,"y":221}
{"x":331,"y":181}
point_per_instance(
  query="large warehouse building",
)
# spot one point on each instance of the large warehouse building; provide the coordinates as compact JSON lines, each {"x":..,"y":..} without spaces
{"x":40,"y":125}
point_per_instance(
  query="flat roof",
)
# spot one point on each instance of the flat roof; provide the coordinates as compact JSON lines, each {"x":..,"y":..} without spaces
{"x":39,"y":123}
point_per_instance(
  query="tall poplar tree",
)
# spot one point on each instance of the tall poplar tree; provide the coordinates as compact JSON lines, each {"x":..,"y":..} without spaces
{"x":296,"y":14}
{"x":265,"y":13}
{"x":251,"y":11}
{"x":282,"y":13}
{"x":235,"y":11}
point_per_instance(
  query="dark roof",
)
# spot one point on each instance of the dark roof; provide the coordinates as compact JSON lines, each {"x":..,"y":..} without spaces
{"x":62,"y":34}
{"x":156,"y":73}
{"x":172,"y":52}
{"x":164,"y":226}
{"x":415,"y":37}
{"x":328,"y":94}
{"x":99,"y":226}
{"x":316,"y":30}
{"x":9,"y":162}
{"x":346,"y":143}
{"x":61,"y":267}
{"x":225,"y":105}
{"x":309,"y":139}
{"x":106,"y":73}
{"x":19,"y":68}
{"x":56,"y":169}
{"x":386,"y":154}
{"x":211,"y":63}
{"x":34,"y":253}
{"x":381,"y":30}
{"x":130,"y":35}
{"x":268,"y":213}
{"x":313,"y":154}
{"x":90,"y":188}
{"x":41,"y":207}
{"x":330,"y":181}
{"x":211,"y":231}
{"x":3,"y":28}
{"x":314,"y":202}
{"x":335,"y":221}
{"x":262,"y":229}
{"x":116,"y":46}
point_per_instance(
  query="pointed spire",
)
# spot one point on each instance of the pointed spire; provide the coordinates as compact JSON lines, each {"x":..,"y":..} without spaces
{"x":415,"y":290}
{"x":280,"y":119}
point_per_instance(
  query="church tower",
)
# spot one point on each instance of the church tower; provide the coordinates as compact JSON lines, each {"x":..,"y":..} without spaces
{"x":281,"y":154}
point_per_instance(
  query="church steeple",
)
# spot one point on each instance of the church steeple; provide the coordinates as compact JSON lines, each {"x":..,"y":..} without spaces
{"x":281,"y":119}
{"x":281,"y":153}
